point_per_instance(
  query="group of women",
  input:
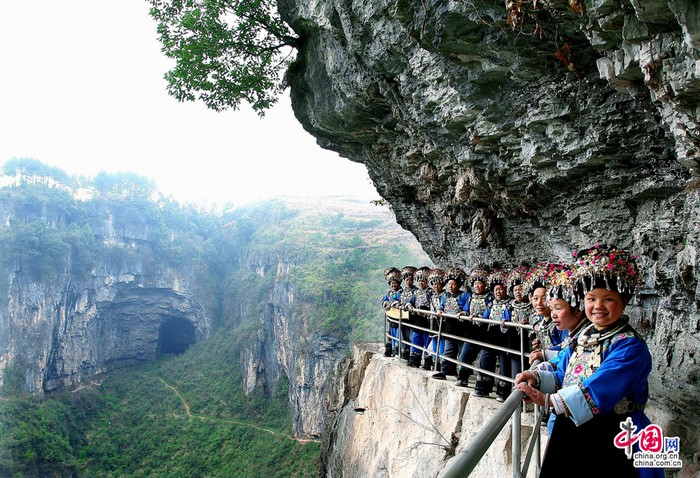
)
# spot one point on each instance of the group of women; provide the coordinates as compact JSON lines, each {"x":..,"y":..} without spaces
{"x":594,"y":378}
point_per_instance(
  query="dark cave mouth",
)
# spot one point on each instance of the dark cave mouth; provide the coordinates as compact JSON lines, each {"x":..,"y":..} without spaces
{"x":175,"y":336}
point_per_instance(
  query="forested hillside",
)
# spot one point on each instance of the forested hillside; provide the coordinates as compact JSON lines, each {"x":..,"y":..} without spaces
{"x":179,"y":414}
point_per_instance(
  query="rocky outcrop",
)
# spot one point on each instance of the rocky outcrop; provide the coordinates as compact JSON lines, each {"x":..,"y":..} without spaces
{"x":500,"y":135}
{"x":395,"y":421}
{"x":61,"y":328}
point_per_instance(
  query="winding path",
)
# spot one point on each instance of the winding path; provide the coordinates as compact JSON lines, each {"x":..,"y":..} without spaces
{"x":236,"y":422}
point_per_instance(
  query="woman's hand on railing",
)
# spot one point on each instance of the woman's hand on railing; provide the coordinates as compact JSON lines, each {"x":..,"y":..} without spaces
{"x":536,"y":355}
{"x":531,"y":394}
{"x":527,"y":383}
{"x":527,"y":377}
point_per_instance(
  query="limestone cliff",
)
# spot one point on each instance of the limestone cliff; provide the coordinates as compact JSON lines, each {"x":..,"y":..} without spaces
{"x":525,"y":133}
{"x":59,"y":333}
{"x":129,"y":303}
{"x":283,"y":349}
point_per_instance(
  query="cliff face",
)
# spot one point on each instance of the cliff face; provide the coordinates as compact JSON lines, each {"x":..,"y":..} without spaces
{"x":286,"y":349}
{"x":57,"y":334}
{"x":290,"y":341}
{"x":494,"y":145}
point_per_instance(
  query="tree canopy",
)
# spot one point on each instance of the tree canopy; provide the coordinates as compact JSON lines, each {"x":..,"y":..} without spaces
{"x":226,"y":51}
{"x":33,"y":170}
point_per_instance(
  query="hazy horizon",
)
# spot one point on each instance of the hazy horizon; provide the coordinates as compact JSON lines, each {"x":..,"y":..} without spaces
{"x":84,"y":92}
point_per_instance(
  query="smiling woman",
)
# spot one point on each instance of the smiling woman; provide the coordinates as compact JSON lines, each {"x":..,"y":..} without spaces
{"x":601,"y":380}
{"x":85,"y":96}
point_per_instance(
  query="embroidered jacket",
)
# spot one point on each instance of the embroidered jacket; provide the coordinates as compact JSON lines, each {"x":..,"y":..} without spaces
{"x":499,"y":310}
{"x":549,"y":336}
{"x":479,"y":304}
{"x":453,"y":304}
{"x":601,"y":373}
{"x":421,"y":298}
{"x":522,"y":312}
{"x":391,"y":297}
{"x":406,"y":296}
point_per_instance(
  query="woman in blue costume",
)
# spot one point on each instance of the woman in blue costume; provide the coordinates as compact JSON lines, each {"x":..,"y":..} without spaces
{"x":548,"y":338}
{"x":522,"y":312}
{"x":454,"y":302}
{"x":436,"y":280}
{"x":392,"y":275}
{"x":567,"y":314}
{"x":600,"y":382}
{"x":405,"y":297}
{"x":420,"y":301}
{"x":499,"y":309}
{"x":479,"y":302}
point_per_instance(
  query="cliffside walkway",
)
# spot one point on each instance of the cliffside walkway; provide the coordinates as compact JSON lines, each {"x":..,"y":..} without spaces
{"x":469,"y":458}
{"x":188,"y":412}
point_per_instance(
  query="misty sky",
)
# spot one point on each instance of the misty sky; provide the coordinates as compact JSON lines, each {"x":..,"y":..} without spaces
{"x":81,"y":88}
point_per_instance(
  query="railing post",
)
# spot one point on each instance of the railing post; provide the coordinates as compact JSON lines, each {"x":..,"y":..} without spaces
{"x":438,"y":355}
{"x":538,"y":442}
{"x":516,"y":442}
{"x":387,"y":331}
{"x":522,"y":350}
{"x":517,"y":425}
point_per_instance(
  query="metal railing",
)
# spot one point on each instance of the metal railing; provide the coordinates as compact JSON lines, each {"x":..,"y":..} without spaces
{"x":402,"y":315}
{"x":467,"y":460}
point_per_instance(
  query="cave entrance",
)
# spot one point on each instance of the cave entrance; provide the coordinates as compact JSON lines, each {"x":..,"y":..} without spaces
{"x":175,"y":336}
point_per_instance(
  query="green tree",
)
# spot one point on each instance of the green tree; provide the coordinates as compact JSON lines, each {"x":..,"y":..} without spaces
{"x":35,"y":248}
{"x":226,"y":51}
{"x":124,"y":184}
{"x":34,"y":171}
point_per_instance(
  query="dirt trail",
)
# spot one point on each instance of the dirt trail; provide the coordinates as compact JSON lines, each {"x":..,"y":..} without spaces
{"x":236,"y":422}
